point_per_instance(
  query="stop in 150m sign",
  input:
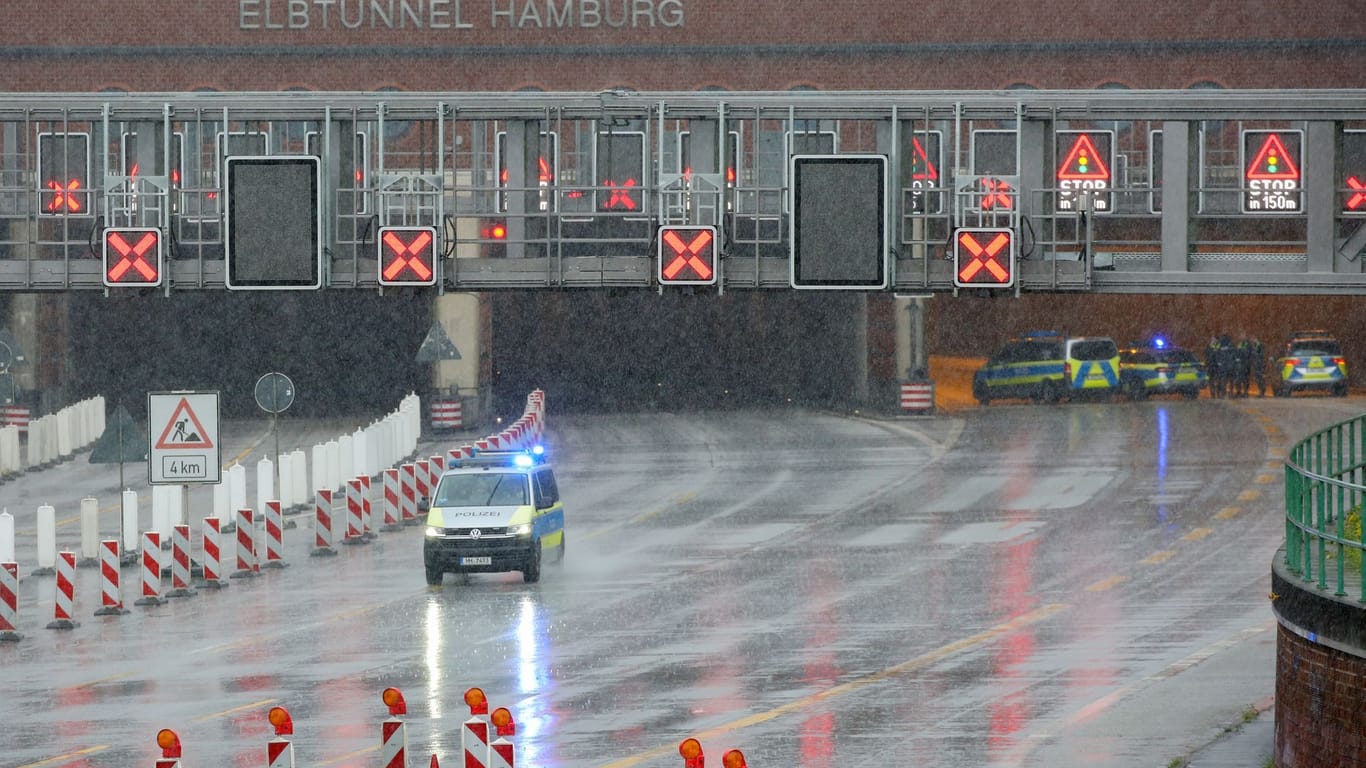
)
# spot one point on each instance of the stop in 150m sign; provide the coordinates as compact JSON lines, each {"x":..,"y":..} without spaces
{"x":1271,"y":176}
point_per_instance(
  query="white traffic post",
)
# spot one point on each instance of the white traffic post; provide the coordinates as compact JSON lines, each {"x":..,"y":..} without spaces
{"x":47,"y":541}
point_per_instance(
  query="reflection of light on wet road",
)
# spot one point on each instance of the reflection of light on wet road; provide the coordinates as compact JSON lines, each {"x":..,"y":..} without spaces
{"x":435,"y":636}
{"x":529,"y":714}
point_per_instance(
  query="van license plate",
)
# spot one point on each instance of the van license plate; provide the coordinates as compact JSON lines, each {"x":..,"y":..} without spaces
{"x":476,"y":561}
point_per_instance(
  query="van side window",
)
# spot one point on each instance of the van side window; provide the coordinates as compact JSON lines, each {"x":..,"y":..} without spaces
{"x":546,"y":492}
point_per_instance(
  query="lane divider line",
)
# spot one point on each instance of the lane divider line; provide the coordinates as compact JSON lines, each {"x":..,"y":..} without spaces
{"x":234,"y":710}
{"x":66,"y":758}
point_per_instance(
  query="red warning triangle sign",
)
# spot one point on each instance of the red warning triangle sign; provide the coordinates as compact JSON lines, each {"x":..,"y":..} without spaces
{"x":183,"y":430}
{"x":1083,"y":162}
{"x":923,"y":161}
{"x":1272,"y":161}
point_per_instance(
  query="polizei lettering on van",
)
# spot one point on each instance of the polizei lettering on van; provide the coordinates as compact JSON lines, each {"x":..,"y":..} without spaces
{"x":333,"y":15}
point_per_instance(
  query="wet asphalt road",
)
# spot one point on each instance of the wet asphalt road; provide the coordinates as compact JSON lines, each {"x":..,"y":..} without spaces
{"x":1018,"y":585}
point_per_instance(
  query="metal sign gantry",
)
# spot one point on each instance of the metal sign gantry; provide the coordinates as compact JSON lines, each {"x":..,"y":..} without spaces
{"x":1108,"y":191}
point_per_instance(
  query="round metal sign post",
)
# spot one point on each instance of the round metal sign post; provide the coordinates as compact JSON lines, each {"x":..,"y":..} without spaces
{"x":274,"y":394}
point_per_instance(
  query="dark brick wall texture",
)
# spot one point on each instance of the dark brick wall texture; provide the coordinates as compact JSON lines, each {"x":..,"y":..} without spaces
{"x":1320,"y":717}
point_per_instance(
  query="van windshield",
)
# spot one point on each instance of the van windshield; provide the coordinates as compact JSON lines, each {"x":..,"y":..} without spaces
{"x":1099,"y":349}
{"x":486,"y":489}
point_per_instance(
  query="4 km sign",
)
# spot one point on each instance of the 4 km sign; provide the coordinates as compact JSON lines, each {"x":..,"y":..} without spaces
{"x":183,"y":427}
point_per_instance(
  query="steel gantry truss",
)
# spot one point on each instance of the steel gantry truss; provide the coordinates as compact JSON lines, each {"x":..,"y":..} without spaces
{"x":1109,"y":190}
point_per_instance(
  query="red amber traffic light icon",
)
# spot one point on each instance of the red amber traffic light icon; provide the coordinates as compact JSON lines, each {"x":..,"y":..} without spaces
{"x":687,"y":255}
{"x":407,"y":256}
{"x":983,"y":257}
{"x":132,"y":257}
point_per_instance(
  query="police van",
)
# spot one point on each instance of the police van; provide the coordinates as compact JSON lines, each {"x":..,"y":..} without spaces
{"x":498,"y":511}
{"x":1047,"y":366}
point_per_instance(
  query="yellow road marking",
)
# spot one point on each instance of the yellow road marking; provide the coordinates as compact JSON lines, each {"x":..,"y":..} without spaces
{"x":234,"y":710}
{"x":1104,"y":584}
{"x":1249,"y":495}
{"x":1265,"y":478}
{"x":646,"y":515}
{"x":68,"y":757}
{"x":351,"y":614}
{"x":1276,"y":453}
{"x":1160,"y":556}
{"x":1019,"y":622}
{"x":1197,"y":534}
{"x":1228,"y":513}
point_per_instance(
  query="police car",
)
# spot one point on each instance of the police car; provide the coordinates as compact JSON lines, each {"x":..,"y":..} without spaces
{"x":499,"y":511}
{"x":1029,"y":365}
{"x":1091,"y":366}
{"x":1310,"y":361}
{"x":1160,"y":368}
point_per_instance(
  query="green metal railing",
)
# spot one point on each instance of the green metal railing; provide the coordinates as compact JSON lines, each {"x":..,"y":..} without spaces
{"x":1325,"y":484}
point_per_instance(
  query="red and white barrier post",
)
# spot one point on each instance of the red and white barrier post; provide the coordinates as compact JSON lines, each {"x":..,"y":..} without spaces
{"x":392,"y":519}
{"x":246,"y":546}
{"x":9,"y":602}
{"x":474,"y":733}
{"x":438,"y":467}
{"x":151,"y":570}
{"x":170,"y":749}
{"x":279,"y":750}
{"x":275,"y":541}
{"x":111,"y":600}
{"x":213,"y":554}
{"x":323,"y":534}
{"x":408,"y":497}
{"x":367,"y":520}
{"x":63,"y":603}
{"x":393,"y":732}
{"x":355,"y":510}
{"x":422,"y":478}
{"x":180,"y":562}
{"x":500,"y":751}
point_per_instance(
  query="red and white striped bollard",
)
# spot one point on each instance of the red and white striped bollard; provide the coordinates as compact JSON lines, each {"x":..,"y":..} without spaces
{"x":324,"y":535}
{"x":392,"y":519}
{"x":279,"y":750}
{"x":393,"y":732}
{"x":355,"y":509}
{"x":180,"y":562}
{"x":63,"y":603}
{"x":111,"y":599}
{"x":408,"y":493}
{"x":500,"y":751}
{"x":367,"y":519}
{"x":212,"y":535}
{"x":422,"y":476}
{"x":9,"y":602}
{"x":474,"y":732}
{"x":246,"y":546}
{"x":275,"y":542}
{"x":151,"y":570}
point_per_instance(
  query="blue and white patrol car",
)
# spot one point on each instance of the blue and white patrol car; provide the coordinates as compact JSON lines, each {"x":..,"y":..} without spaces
{"x":498,"y":511}
{"x":1310,"y":361}
{"x":1160,"y":368}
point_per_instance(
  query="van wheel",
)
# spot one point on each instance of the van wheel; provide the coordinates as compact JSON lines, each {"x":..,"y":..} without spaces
{"x":531,"y":572}
{"x":1052,"y":391}
{"x":979,"y":391}
{"x":559,"y":551}
{"x":1135,"y":389}
{"x":435,"y":576}
{"x":1340,"y":390}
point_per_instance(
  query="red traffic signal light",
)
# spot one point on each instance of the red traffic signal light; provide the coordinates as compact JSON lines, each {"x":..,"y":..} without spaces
{"x":407,"y":256}
{"x":687,"y":255}
{"x":132,"y":257}
{"x":984,"y":256}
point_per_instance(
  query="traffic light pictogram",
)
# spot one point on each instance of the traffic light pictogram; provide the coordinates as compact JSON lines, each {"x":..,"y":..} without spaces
{"x":984,"y":257}
{"x":64,"y":174}
{"x":132,"y":257}
{"x":687,"y":255}
{"x":407,"y":256}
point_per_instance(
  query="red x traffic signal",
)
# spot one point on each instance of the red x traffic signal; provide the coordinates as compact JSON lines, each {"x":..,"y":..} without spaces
{"x":132,"y":257}
{"x":407,"y":256}
{"x":983,"y":256}
{"x":687,"y":255}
